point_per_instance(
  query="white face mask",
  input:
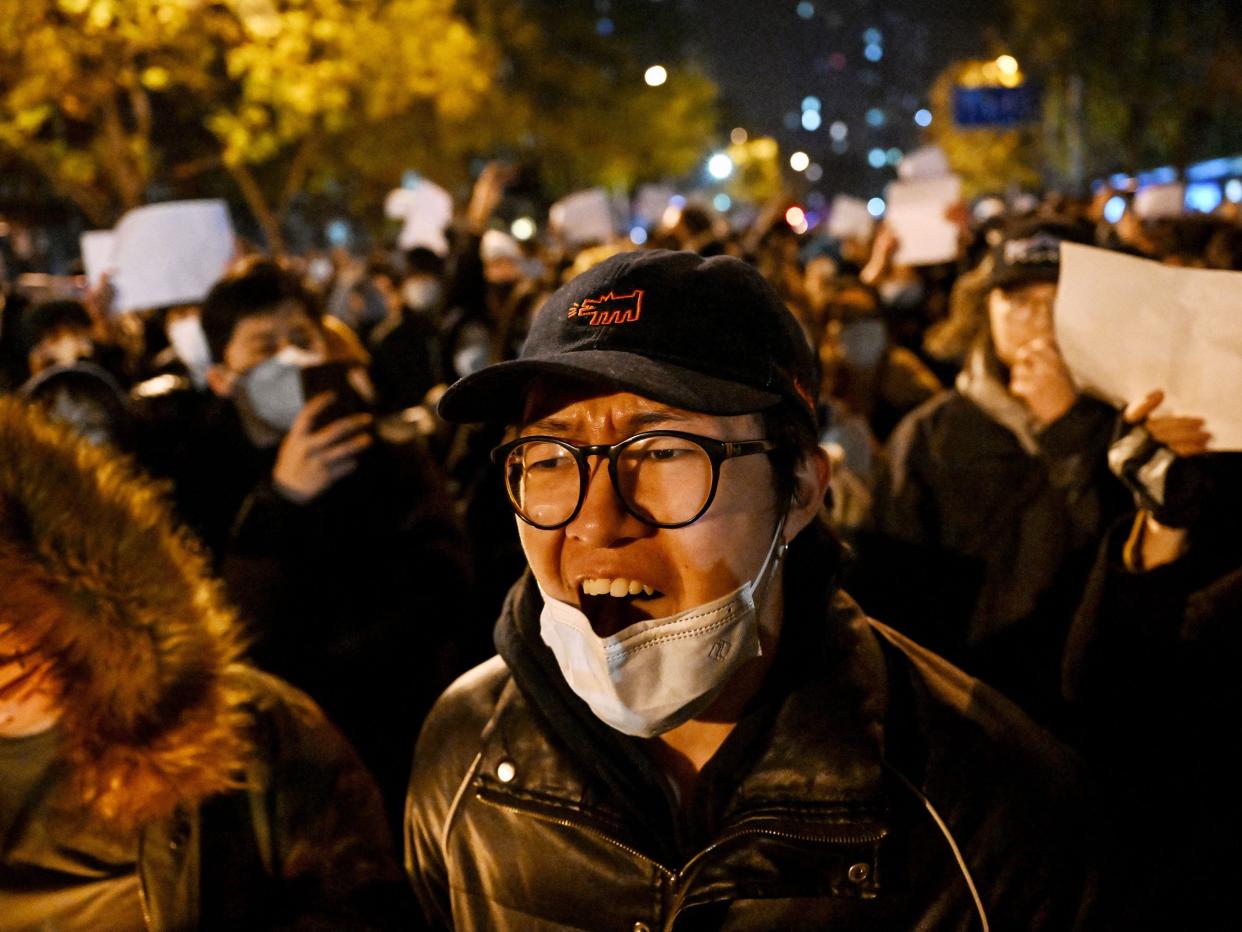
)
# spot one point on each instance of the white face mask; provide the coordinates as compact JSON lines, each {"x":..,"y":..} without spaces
{"x":660,"y":673}
{"x":273,"y":388}
{"x":190,"y":344}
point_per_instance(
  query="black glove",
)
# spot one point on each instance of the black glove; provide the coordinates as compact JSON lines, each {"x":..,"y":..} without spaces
{"x":1173,"y":488}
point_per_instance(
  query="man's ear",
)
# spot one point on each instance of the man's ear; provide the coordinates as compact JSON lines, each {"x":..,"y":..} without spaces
{"x":811,"y":477}
{"x":221,"y":380}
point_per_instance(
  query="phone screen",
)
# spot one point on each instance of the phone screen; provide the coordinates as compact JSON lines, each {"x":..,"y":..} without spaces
{"x":333,"y":377}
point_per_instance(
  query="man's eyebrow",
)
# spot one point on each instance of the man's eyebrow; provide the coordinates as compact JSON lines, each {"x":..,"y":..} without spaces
{"x":633,"y":422}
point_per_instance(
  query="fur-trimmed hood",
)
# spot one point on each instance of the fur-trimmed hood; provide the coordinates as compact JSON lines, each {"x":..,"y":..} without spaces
{"x":96,"y":576}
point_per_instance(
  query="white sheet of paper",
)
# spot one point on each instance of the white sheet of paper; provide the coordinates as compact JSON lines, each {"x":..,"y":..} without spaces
{"x":923,"y":162}
{"x":98,"y":252}
{"x":1127,"y":326}
{"x":650,"y":202}
{"x":916,"y":215}
{"x":426,"y":208}
{"x":849,"y":218}
{"x":171,"y":253}
{"x":583,"y":218}
{"x":1160,"y":200}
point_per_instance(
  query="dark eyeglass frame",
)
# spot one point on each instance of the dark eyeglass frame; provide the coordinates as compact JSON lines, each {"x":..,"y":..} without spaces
{"x":717,"y":452}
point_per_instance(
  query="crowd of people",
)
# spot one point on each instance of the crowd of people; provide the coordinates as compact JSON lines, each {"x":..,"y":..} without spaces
{"x":314,"y":473}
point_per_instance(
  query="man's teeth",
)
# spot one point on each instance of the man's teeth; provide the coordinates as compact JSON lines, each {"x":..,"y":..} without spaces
{"x":618,"y":588}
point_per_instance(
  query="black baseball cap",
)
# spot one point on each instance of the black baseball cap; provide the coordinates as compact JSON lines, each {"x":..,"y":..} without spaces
{"x":1029,"y":251}
{"x":704,"y":334}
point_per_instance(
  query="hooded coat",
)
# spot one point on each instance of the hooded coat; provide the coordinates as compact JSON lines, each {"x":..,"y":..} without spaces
{"x":240,"y":803}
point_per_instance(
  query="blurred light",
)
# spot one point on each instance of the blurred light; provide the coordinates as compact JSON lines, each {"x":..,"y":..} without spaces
{"x":923,"y":117}
{"x":877,"y":158}
{"x":523,"y":228}
{"x":1233,"y":190}
{"x":671,"y":215}
{"x":875,"y":117}
{"x":638,"y":236}
{"x":765,"y":148}
{"x":738,"y":136}
{"x":837,"y":61}
{"x":810,"y":103}
{"x":840,"y":146}
{"x":814,"y":172}
{"x":894,"y":156}
{"x":1214,"y":169}
{"x":1120,"y":180}
{"x":338,"y":233}
{"x":1114,"y":208}
{"x":795,"y":216}
{"x":722,"y":202}
{"x":1166,"y":174}
{"x":873,"y":53}
{"x":655,"y":75}
{"x":720,"y":166}
{"x":1203,"y":196}
{"x":806,"y":10}
{"x":1008,"y":65}
{"x":799,"y":161}
{"x":792,"y":120}
{"x":604,"y":26}
{"x":873,"y":36}
{"x":678,"y":201}
{"x":817,"y":200}
{"x":838,"y":130}
{"x":811,"y":120}
{"x":802,"y":227}
{"x":875,"y":207}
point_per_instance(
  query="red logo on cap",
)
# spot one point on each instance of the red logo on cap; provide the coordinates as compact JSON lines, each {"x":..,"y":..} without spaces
{"x":610,"y":308}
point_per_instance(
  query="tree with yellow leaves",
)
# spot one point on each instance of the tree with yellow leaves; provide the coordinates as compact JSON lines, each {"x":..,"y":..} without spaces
{"x":111,"y":99}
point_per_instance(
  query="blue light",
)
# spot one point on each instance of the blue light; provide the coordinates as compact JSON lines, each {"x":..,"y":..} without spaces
{"x":1203,"y":196}
{"x":338,"y":233}
{"x":810,"y":103}
{"x":1209,"y":170}
{"x":604,"y":26}
{"x":638,"y":236}
{"x":838,"y":130}
{"x":876,"y":206}
{"x":1165,"y":175}
{"x":840,"y":146}
{"x":792,"y":120}
{"x":678,"y":201}
{"x":877,"y":158}
{"x":1120,"y":180}
{"x":1114,"y":208}
{"x":873,"y":53}
{"x":806,"y":10}
{"x":875,"y":117}
{"x":1233,"y":190}
{"x":722,"y":202}
{"x":811,"y":120}
{"x":894,"y":156}
{"x":873,"y":36}
{"x":923,"y":117}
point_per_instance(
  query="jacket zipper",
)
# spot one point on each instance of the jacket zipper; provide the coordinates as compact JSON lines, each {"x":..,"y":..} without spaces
{"x":569,"y":823}
{"x":143,"y":893}
{"x":838,"y":838}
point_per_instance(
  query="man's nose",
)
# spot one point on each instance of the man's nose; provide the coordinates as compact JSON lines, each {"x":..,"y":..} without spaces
{"x":602,"y":520}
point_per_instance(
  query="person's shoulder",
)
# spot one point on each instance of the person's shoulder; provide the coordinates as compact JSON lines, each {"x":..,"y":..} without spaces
{"x":965,"y":720}
{"x":461,"y":713}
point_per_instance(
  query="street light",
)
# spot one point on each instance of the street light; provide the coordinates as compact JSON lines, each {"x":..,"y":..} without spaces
{"x":720,"y":166}
{"x":799,"y":161}
{"x":655,"y":75}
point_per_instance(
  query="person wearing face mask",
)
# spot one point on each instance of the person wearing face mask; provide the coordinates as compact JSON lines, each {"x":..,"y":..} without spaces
{"x":996,"y":493}
{"x":405,"y":349}
{"x":329,"y":528}
{"x":688,"y":724}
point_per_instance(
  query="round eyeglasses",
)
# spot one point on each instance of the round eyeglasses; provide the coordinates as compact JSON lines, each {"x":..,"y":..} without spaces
{"x":665,"y":478}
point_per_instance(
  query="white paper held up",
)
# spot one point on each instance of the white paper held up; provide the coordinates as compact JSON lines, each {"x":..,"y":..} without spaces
{"x":98,"y":252}
{"x":583,"y":218}
{"x":923,"y":162}
{"x":1158,"y":201}
{"x":426,"y":209}
{"x":916,"y":214}
{"x":849,"y":218}
{"x":1127,"y":326}
{"x":171,"y":253}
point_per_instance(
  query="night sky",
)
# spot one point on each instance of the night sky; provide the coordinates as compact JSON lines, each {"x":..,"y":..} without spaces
{"x":767,"y":58}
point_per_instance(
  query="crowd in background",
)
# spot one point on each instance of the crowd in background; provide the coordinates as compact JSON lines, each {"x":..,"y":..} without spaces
{"x":994,"y":513}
